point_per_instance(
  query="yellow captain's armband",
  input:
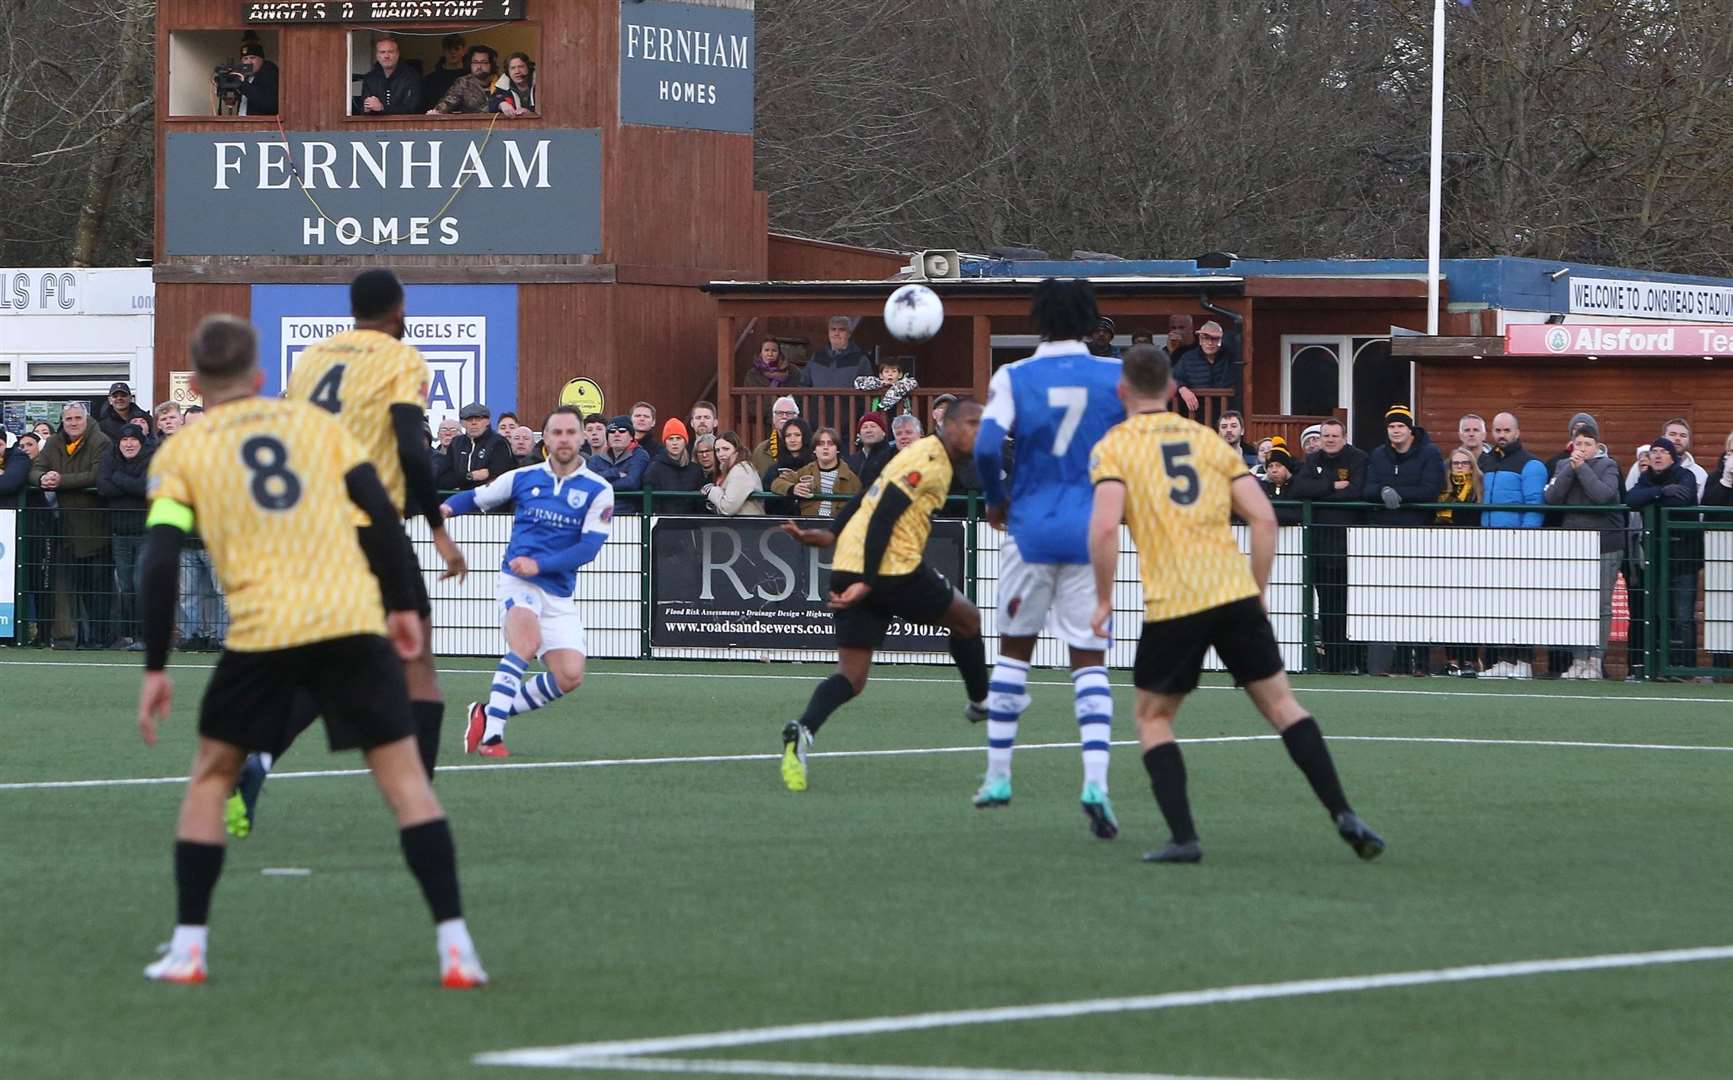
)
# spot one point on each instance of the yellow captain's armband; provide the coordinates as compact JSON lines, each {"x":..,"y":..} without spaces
{"x":169,"y":512}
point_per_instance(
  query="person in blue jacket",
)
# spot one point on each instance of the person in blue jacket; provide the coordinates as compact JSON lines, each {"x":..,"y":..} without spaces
{"x":624,"y":465}
{"x":1407,"y":469}
{"x":1512,"y":475}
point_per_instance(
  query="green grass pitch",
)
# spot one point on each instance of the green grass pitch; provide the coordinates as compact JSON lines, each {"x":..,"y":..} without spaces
{"x":640,"y":899}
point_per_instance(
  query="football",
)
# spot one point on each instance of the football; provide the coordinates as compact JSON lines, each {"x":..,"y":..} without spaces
{"x":914,"y":313}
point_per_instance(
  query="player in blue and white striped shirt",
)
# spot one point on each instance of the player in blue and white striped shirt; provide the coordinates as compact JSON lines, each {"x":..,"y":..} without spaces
{"x":562,"y":515}
{"x":1056,"y":405}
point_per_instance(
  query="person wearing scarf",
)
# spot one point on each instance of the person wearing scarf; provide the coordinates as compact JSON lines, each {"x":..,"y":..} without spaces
{"x":792,"y":451}
{"x":1462,"y":485}
{"x":770,"y":367}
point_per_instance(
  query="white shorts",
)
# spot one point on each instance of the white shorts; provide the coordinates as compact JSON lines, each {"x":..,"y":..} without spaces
{"x":1031,"y":592}
{"x":560,"y":625}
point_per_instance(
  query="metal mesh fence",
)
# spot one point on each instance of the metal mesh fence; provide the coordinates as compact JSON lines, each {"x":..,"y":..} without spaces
{"x":1649,"y":597}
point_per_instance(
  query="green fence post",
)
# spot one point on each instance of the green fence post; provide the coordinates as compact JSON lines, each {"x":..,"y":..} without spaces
{"x":1654,"y":530}
{"x":1308,"y":609}
{"x":644,"y":579}
{"x":971,"y":552}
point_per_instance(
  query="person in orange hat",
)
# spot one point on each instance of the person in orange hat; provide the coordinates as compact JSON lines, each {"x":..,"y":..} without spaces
{"x":673,"y":469}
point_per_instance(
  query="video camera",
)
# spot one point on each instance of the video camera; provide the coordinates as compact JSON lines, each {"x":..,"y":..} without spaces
{"x":230,"y":79}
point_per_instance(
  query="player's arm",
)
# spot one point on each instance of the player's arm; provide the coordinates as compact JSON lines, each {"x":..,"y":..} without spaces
{"x":409,"y":424}
{"x":1105,"y":515}
{"x":490,"y":496}
{"x":383,"y":540}
{"x":590,"y":541}
{"x":997,"y":421}
{"x":1253,"y":507}
{"x":160,"y":576}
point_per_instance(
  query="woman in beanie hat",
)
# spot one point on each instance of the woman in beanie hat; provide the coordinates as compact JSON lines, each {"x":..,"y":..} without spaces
{"x":673,"y":469}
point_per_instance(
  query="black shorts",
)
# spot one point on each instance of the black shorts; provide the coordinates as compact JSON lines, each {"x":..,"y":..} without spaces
{"x":922,"y":597}
{"x":258,"y":700}
{"x":1170,"y":652}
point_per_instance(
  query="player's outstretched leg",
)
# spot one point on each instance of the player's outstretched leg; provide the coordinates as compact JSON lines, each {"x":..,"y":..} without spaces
{"x":241,"y":811}
{"x":1305,"y":742}
{"x":508,"y":680}
{"x":1166,"y":767}
{"x":969,"y":652}
{"x":1007,"y":697}
{"x":1093,"y":699}
{"x":425,"y":836}
{"x":833,"y":693}
{"x":426,"y":703}
{"x":198,"y":861}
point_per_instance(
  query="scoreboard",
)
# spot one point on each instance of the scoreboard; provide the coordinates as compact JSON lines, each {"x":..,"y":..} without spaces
{"x":374,"y":11}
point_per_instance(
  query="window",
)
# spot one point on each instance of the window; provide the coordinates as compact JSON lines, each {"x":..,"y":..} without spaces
{"x":426,"y":64}
{"x":249,"y":87}
{"x":1323,"y":373}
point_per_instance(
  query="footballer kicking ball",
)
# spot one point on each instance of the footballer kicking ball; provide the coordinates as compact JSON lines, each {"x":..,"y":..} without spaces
{"x":914,"y":313}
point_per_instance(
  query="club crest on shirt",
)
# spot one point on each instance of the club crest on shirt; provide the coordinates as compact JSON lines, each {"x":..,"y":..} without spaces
{"x":575,"y":499}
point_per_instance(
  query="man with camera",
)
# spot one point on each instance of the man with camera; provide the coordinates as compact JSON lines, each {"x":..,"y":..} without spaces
{"x":250,"y":87}
{"x":392,"y":87}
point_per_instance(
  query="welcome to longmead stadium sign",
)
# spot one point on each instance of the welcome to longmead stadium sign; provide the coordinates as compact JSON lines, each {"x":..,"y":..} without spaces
{"x":375,"y":192}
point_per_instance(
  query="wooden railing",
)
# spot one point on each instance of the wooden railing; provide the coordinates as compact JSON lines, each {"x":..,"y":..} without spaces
{"x":1261,"y":426}
{"x":747,"y":408}
{"x":1210,"y":405}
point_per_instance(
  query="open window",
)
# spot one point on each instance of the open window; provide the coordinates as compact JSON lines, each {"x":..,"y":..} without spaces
{"x":427,"y":64}
{"x":210,"y":73}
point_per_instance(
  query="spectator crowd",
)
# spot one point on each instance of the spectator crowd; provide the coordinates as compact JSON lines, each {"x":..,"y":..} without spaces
{"x":83,"y":490}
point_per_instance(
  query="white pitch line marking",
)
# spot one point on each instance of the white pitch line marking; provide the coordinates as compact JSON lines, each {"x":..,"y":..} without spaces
{"x":556,"y":1056}
{"x":951,"y":680}
{"x":712,"y":759}
{"x":828,"y":1071}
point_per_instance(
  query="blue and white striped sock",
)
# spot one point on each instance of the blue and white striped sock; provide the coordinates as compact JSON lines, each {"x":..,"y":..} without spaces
{"x":1006,"y":700}
{"x":1094,"y":721}
{"x":538,"y":692}
{"x":508,"y":680}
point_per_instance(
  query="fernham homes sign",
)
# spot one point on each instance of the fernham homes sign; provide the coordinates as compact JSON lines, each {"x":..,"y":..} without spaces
{"x":1641,"y":339}
{"x":533,"y":192}
{"x":687,"y":65}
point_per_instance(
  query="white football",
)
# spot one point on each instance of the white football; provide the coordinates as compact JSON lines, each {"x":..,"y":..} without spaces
{"x":914,"y":313}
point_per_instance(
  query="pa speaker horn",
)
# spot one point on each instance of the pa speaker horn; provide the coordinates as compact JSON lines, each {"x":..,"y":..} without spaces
{"x":937,"y":265}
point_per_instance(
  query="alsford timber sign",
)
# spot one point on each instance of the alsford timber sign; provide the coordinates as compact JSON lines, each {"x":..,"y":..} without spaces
{"x":375,"y":192}
{"x":1641,"y":339}
{"x":686,"y":65}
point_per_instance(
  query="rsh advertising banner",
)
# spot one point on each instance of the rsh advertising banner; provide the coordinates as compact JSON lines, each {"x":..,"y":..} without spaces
{"x":468,"y":333}
{"x":743,"y":582}
{"x":512,"y":192}
{"x":686,"y":65}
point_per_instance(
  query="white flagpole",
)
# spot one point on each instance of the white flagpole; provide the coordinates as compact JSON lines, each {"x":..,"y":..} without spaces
{"x":1435,"y":211}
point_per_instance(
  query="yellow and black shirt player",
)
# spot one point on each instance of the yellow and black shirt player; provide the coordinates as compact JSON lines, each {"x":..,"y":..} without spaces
{"x":277,"y":489}
{"x":878,"y":574}
{"x":1174,"y":484}
{"x":376,"y":385}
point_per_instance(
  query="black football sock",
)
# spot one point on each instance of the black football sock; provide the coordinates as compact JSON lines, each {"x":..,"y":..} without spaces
{"x":829,"y":696}
{"x":970,"y":653}
{"x":1305,"y":745}
{"x":1166,"y":770}
{"x":428,"y":716}
{"x":197,"y":867}
{"x":432,"y":858}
